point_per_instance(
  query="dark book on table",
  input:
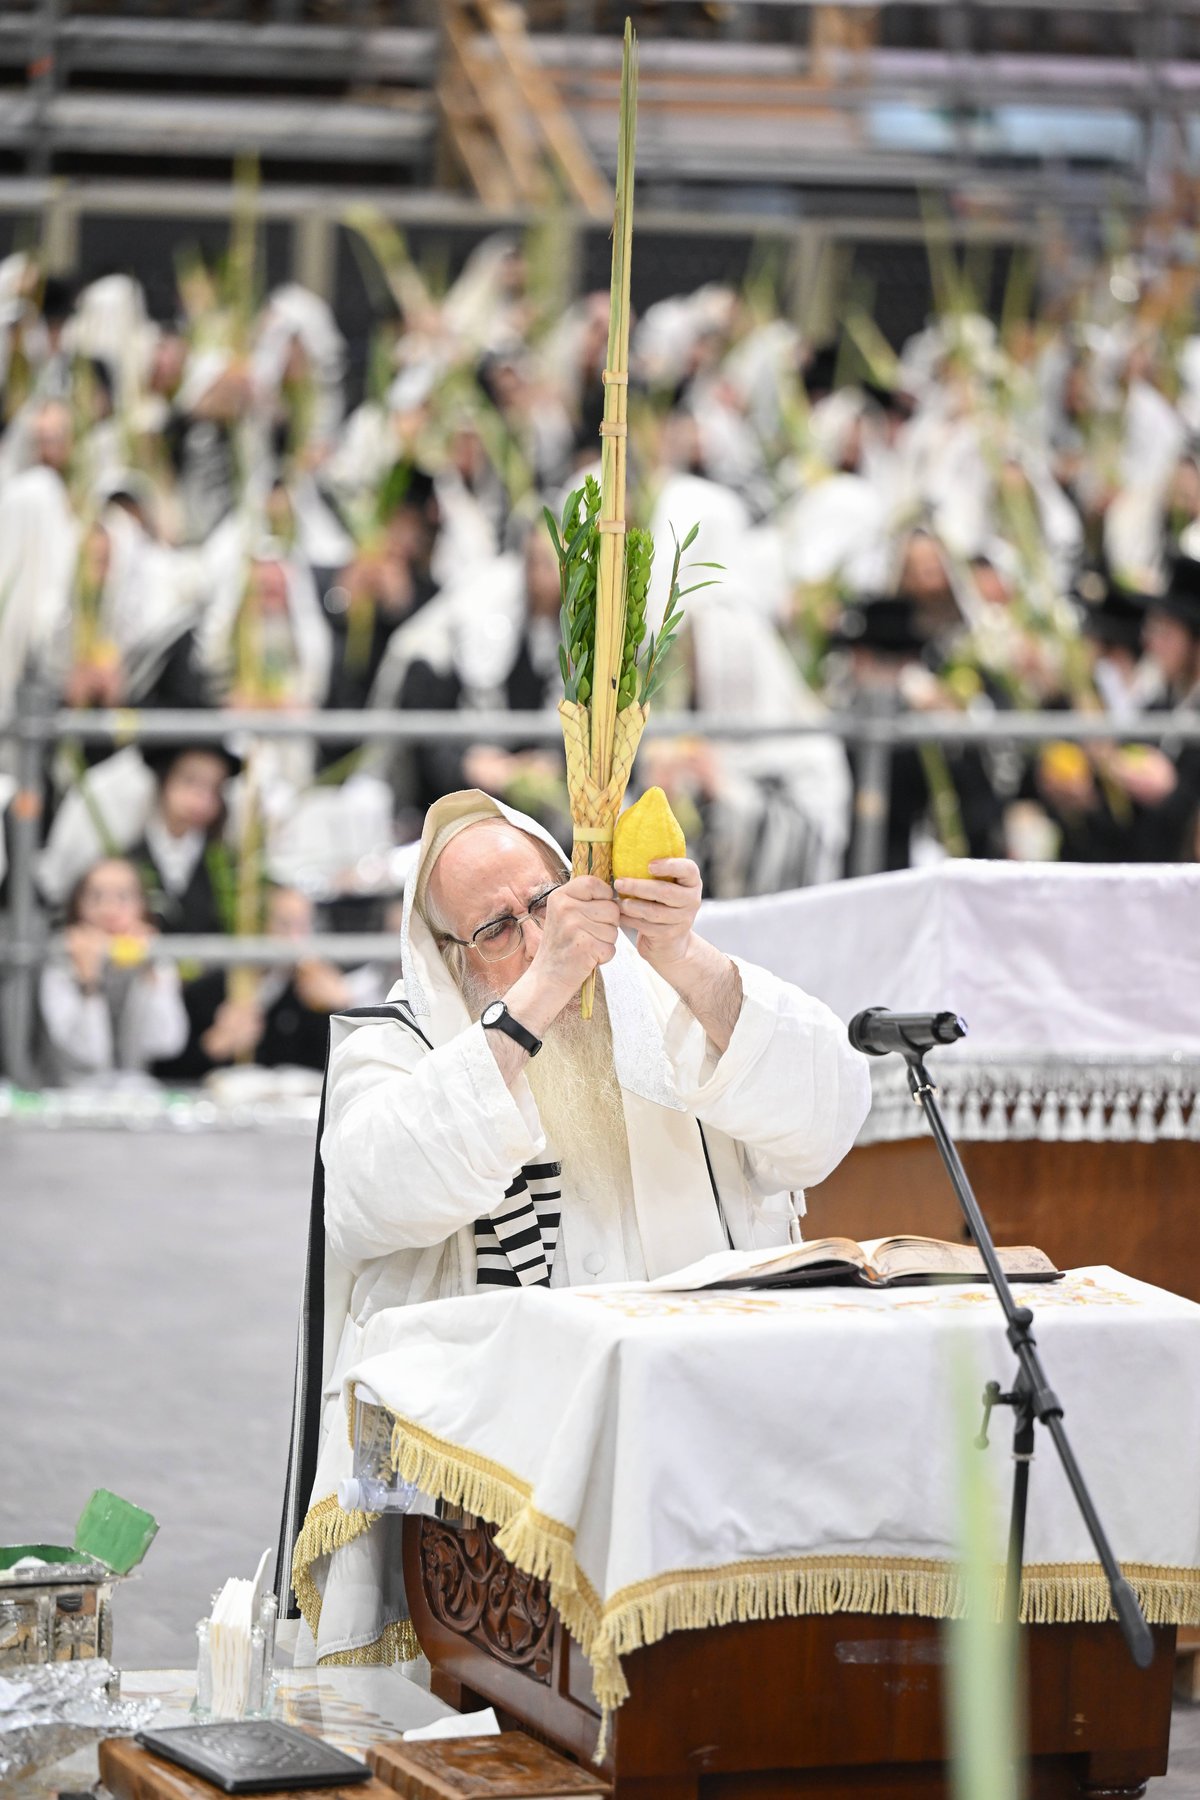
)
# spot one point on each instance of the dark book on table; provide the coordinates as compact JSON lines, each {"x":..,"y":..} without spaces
{"x":255,"y":1756}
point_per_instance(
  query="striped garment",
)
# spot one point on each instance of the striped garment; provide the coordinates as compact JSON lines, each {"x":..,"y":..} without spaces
{"x":515,"y":1246}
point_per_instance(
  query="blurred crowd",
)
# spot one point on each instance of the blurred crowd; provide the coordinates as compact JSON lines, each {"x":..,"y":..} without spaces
{"x":192,"y":514}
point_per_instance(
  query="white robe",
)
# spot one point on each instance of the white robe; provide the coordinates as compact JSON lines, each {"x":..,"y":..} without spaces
{"x":419,"y":1143}
{"x":123,"y":1027}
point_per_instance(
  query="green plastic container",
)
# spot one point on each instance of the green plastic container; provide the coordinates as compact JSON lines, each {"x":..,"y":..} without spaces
{"x":62,"y":1611}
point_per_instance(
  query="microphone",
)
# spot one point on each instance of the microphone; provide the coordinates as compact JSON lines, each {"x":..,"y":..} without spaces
{"x":876,"y":1031}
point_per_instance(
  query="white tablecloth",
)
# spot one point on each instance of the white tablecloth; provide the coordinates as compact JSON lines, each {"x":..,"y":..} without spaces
{"x":683,"y":1460}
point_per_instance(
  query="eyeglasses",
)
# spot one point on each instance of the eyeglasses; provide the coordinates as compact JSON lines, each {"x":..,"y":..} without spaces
{"x":501,"y":937}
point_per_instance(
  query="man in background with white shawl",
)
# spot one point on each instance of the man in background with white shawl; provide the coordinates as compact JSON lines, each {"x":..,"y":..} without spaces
{"x":482,"y":1134}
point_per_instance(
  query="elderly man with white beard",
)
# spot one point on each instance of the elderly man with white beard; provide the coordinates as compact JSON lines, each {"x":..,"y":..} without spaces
{"x":480,"y":1133}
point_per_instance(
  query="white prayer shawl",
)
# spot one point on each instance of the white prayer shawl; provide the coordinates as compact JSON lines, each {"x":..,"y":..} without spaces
{"x":563,"y":353}
{"x":478,"y":311}
{"x":148,"y":603}
{"x":683,"y":501}
{"x":225,"y":557}
{"x":39,"y":540}
{"x":954,"y":466}
{"x":1135,"y":542}
{"x":368,"y":447}
{"x":134,"y":1018}
{"x":668,"y":332}
{"x":1155,"y":438}
{"x":831,"y":527}
{"x":831,"y":424}
{"x":731,"y":451}
{"x":473,"y":628}
{"x":419,"y":1144}
{"x":470,"y":526}
{"x":284,"y":765}
{"x":760,"y":368}
{"x":143,"y":608}
{"x":110,"y":323}
{"x":292,"y":312}
{"x":205,"y":366}
{"x":365,"y":450}
{"x":782,"y":816}
{"x":761,"y":578}
{"x":1188,"y":365}
{"x":117,"y":795}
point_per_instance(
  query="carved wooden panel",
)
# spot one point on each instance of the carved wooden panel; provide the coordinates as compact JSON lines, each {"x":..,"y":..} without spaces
{"x":772,"y":1708}
{"x":474,"y":1591}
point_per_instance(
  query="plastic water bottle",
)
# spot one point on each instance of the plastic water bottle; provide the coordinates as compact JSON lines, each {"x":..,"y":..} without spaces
{"x":375,"y":1486}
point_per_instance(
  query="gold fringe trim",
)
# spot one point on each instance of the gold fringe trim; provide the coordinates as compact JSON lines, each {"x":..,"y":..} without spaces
{"x":397,"y":1642}
{"x":695,"y":1599}
{"x":546,"y":1549}
{"x":692,"y":1600}
{"x":1077,"y":1593}
{"x":457,"y":1476}
{"x":326,"y":1528}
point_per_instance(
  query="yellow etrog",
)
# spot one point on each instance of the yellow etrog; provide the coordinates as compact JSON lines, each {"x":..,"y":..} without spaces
{"x":644,"y":832}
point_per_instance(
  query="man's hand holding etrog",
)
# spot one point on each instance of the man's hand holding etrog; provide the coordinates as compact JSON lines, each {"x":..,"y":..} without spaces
{"x":580,"y":934}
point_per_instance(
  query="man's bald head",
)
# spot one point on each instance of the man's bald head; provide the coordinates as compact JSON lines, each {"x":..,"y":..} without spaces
{"x":487,"y":869}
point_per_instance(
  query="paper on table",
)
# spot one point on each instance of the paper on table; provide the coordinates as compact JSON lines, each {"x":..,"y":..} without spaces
{"x":229,"y":1642}
{"x":477,"y":1724}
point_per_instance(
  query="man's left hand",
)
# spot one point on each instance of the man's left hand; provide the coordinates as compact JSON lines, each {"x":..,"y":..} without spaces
{"x":662,"y":912}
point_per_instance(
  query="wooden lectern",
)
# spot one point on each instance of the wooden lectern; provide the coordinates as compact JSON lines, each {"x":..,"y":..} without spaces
{"x":822,"y":1707}
{"x":1130,"y":1205}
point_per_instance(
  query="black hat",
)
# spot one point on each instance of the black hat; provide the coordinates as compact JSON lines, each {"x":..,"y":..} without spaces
{"x":405,"y":484}
{"x":1182,"y":598}
{"x":894,"y":400}
{"x":818,"y":372}
{"x":160,"y":757}
{"x":1108,"y":613}
{"x":886,"y":624}
{"x":58,"y":299}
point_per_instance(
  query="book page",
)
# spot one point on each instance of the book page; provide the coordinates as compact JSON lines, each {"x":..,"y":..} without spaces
{"x":744,"y":1265}
{"x":897,"y":1256}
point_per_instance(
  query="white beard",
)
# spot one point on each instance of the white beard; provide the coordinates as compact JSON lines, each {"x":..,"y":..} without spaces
{"x":574,"y":1084}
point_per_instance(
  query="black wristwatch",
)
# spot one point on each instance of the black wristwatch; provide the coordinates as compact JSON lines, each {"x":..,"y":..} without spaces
{"x":497,"y":1017}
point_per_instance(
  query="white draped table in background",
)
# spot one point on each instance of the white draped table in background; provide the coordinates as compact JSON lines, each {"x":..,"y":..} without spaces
{"x":681,"y":1460}
{"x":1080,"y":984}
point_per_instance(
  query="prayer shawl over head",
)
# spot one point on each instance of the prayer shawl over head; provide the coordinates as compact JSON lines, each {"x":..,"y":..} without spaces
{"x":420,"y":1138}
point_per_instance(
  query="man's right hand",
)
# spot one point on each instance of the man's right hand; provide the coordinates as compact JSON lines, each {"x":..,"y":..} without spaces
{"x":583,"y":920}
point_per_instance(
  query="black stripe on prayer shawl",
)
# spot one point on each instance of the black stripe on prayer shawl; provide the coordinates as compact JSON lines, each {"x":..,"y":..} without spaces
{"x":516,"y":1248}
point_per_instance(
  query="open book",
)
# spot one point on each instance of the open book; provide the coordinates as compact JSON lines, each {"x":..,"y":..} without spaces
{"x":881,"y":1262}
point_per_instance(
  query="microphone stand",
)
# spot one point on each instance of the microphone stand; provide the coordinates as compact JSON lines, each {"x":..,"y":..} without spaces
{"x":1032,"y":1398}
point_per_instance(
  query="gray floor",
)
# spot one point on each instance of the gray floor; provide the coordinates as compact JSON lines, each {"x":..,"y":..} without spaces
{"x":148,"y":1294}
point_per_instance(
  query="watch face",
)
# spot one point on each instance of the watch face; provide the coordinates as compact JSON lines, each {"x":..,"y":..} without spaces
{"x":491,"y":1013}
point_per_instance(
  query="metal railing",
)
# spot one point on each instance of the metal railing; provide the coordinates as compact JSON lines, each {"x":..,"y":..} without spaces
{"x":875,"y":734}
{"x":387,"y":60}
